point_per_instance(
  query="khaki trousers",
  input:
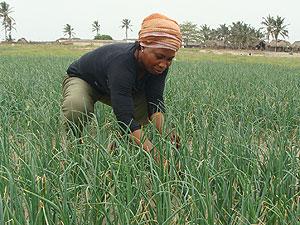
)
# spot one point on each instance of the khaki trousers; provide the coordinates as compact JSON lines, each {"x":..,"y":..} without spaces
{"x":78,"y":103}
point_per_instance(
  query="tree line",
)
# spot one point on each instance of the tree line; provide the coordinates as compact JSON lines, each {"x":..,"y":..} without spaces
{"x":126,"y":24}
{"x":8,"y":23}
{"x":237,"y":35}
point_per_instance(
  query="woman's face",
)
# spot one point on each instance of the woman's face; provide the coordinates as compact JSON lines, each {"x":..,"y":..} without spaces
{"x":156,"y":60}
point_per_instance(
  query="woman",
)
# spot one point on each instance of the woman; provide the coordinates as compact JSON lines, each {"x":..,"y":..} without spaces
{"x":130,"y":77}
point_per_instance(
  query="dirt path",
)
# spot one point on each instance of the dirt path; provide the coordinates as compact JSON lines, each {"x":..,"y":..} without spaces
{"x":251,"y":52}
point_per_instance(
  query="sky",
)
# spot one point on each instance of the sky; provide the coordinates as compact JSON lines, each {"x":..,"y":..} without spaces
{"x":44,"y":20}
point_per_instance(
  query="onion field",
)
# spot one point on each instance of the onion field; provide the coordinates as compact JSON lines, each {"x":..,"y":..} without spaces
{"x":239,"y":122}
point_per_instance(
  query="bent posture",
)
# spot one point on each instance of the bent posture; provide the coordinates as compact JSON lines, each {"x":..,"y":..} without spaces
{"x":130,"y":77}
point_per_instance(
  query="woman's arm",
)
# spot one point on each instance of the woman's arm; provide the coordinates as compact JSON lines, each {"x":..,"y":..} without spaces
{"x":147,"y":145}
{"x":158,"y":119}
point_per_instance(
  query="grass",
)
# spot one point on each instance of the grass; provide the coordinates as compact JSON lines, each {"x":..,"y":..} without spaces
{"x":257,"y":57}
{"x":55,"y":50}
{"x":238,"y":164}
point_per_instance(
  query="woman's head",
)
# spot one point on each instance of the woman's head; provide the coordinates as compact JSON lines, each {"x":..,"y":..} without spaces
{"x":159,"y":31}
{"x":159,"y":38}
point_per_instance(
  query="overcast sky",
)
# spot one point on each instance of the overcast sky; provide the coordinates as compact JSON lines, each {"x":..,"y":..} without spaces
{"x":41,"y":20}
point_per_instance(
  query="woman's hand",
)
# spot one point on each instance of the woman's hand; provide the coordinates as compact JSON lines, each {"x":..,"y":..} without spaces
{"x":175,"y":139}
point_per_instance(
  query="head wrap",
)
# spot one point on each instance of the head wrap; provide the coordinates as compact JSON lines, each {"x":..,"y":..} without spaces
{"x":159,"y":31}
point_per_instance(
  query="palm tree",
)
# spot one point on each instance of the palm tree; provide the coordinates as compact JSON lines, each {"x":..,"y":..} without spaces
{"x":223,"y":33}
{"x":242,"y":35}
{"x":10,"y":26}
{"x":7,"y":23}
{"x":126,"y":24}
{"x":237,"y":34}
{"x":96,"y":27}
{"x":190,"y":33}
{"x":268,"y":23}
{"x":69,"y":30}
{"x":206,"y":32}
{"x":279,"y":29}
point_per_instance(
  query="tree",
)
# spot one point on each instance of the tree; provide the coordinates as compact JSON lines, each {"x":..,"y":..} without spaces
{"x":69,"y":30}
{"x":126,"y":24}
{"x":223,"y":33}
{"x":103,"y":37}
{"x":10,"y":26}
{"x":205,"y":32}
{"x":7,"y":21}
{"x":96,"y":27}
{"x":279,"y":28}
{"x":268,"y":23}
{"x":242,"y":35}
{"x":190,"y":33}
{"x":238,"y":34}
{"x":275,"y":27}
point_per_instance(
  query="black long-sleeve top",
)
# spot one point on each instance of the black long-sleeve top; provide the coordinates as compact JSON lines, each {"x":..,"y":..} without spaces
{"x":112,"y":71}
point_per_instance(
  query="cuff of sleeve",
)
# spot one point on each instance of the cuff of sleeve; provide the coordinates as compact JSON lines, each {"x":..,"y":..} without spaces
{"x":134,"y":128}
{"x":129,"y":128}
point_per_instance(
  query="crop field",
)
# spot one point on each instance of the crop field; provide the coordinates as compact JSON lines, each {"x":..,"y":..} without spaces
{"x":238,"y":118}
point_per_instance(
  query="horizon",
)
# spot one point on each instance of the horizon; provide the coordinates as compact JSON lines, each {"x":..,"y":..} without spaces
{"x":35,"y":20}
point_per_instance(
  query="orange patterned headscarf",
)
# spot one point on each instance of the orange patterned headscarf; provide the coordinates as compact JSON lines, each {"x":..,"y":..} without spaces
{"x":159,"y":31}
